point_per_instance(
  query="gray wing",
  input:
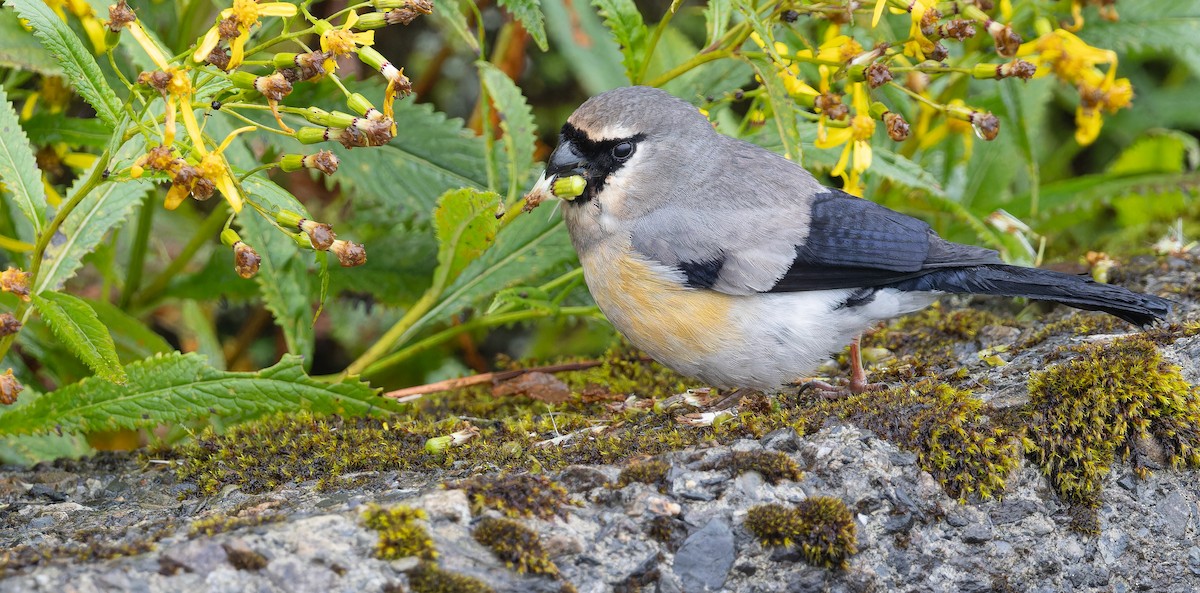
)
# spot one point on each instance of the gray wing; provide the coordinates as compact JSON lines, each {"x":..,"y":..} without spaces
{"x":769,"y":241}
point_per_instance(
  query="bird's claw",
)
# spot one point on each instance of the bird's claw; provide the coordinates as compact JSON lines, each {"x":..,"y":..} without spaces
{"x":829,"y":391}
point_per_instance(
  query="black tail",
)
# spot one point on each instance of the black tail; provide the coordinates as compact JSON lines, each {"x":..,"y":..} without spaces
{"x":1080,"y":292}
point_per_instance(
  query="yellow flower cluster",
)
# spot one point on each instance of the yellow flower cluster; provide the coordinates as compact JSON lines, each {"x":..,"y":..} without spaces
{"x":1072,"y":60}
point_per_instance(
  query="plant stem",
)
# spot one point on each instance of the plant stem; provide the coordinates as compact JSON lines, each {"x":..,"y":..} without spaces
{"x":137,"y":253}
{"x":697,"y":60}
{"x":449,"y":333}
{"x":640,"y":75}
{"x":204,"y":233}
{"x":411,"y":393}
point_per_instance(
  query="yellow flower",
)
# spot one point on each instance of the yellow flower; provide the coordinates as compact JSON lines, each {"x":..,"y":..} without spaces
{"x":788,"y":73}
{"x":243,"y":16}
{"x":53,"y":93}
{"x":87,"y":18}
{"x":839,"y":49}
{"x":211,"y":172}
{"x":1072,"y":60}
{"x":342,"y":41}
{"x":857,"y":140}
{"x":1107,"y":95}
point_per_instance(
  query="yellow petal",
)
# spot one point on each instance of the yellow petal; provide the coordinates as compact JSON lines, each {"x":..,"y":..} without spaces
{"x":95,"y":33}
{"x":237,"y":49}
{"x":840,"y":167}
{"x":175,"y":196}
{"x":351,"y":20}
{"x":207,"y":44}
{"x":835,"y":137}
{"x":1087,"y":125}
{"x":193,"y":128}
{"x":229,"y":188}
{"x":862,"y":155}
{"x":169,"y":124}
{"x":365,"y":38}
{"x":79,"y":160}
{"x":277,"y":9}
{"x":879,"y":4}
{"x":151,"y":48}
{"x":52,"y":196}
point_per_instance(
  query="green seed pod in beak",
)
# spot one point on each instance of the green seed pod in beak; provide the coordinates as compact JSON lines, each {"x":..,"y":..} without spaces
{"x":569,"y":188}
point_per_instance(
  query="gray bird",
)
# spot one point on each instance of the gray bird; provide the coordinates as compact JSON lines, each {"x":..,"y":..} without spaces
{"x":730,"y":264}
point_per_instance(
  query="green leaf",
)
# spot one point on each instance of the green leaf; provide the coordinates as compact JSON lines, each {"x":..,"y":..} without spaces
{"x":466,"y":225}
{"x":404,"y":178}
{"x":85,"y":226}
{"x":283,"y":275}
{"x":52,"y":128}
{"x":716,"y":18}
{"x":77,"y":62}
{"x":530,"y":249}
{"x":516,"y":119}
{"x":449,"y":13}
{"x":783,"y":111}
{"x":134,"y":341}
{"x":529,"y":12}
{"x":1150,"y":26}
{"x":19,"y":49}
{"x":902,"y":170}
{"x":175,"y":388}
{"x":75,"y":323}
{"x":625,"y":22}
{"x":585,"y":44}
{"x":18,"y":169}
{"x":523,"y":297}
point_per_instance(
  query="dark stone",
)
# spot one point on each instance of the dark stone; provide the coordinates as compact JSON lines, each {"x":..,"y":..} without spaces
{"x":198,"y":556}
{"x":977,"y":534}
{"x":1128,"y":482}
{"x":704,"y":559}
{"x":1011,"y":511}
{"x":899,"y":523}
{"x":956,"y":519}
{"x":581,"y":478}
{"x":809,"y":581}
{"x":44,"y":491}
{"x":783,"y":439}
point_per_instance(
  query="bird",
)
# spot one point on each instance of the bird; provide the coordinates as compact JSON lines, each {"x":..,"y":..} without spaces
{"x":735,"y":266}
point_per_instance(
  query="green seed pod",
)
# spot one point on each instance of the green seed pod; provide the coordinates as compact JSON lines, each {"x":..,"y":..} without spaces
{"x":370,"y":20}
{"x":359,"y":104}
{"x":569,"y":187}
{"x":287,"y":218}
{"x":243,"y":80}
{"x":284,"y":60}
{"x":312,"y":135}
{"x":229,"y":237}
{"x":986,"y":71}
{"x":289,"y":163}
{"x":877,"y":110}
{"x":371,"y":57}
{"x":328,"y":119}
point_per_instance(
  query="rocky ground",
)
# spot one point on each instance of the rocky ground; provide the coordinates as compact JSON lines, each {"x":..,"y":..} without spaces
{"x":127,"y":523}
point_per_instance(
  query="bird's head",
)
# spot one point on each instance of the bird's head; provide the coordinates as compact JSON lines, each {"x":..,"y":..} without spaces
{"x":631,"y":145}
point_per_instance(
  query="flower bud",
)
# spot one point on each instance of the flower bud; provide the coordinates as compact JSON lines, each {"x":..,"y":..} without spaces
{"x":335,"y":119}
{"x":10,"y":388}
{"x":9,"y":325}
{"x":243,"y":80}
{"x":939,"y":53}
{"x":370,"y":20}
{"x":312,"y":135}
{"x":288,"y":219}
{"x":321,"y":235}
{"x":349,"y":254}
{"x":15,"y":281}
{"x":359,"y":104}
{"x":570,"y":187}
{"x":229,"y":238}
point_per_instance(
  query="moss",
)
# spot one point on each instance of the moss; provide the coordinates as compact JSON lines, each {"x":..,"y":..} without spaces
{"x":517,"y":546}
{"x":244,"y":558}
{"x":1096,"y":407}
{"x":516,"y":495}
{"x":774,"y":466}
{"x":651,"y":471}
{"x":221,"y":523}
{"x":427,"y":577}
{"x":401,"y":534}
{"x":821,"y":528}
{"x":1076,"y":324}
{"x":88,"y":545}
{"x":946,"y":428}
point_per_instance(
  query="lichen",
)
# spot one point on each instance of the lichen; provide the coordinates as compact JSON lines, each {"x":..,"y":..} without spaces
{"x":516,"y":495}
{"x":1098,"y":406}
{"x":821,"y":528}
{"x":401,"y":535}
{"x":650,"y":471}
{"x":519,"y":547}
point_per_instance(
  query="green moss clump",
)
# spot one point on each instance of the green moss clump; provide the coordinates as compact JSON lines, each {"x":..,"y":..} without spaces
{"x":651,"y":471}
{"x":517,"y":545}
{"x":775,"y":466}
{"x":1075,"y":324}
{"x":516,"y":495}
{"x":1086,"y":412}
{"x":427,"y":577}
{"x":221,"y":523}
{"x":88,"y":545}
{"x":822,"y":529}
{"x":400,"y":533}
{"x":945,"y":427}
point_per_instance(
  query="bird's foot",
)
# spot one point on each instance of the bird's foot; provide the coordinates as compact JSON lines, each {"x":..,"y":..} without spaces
{"x":829,"y":391}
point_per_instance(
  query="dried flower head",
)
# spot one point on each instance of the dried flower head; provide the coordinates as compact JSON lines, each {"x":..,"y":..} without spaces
{"x":157,"y":79}
{"x":349,"y":254}
{"x":218,"y":57}
{"x":789,"y":16}
{"x":987,"y":125}
{"x":10,"y":388}
{"x":957,"y":29}
{"x":245,"y":260}
{"x":1007,"y":40}
{"x":323,"y":161}
{"x":320,"y":234}
{"x":939,"y":52}
{"x":377,"y":131}
{"x":831,"y":106}
{"x":15,"y":281}
{"x":929,"y":20}
{"x":9,"y":325}
{"x":227,"y":28}
{"x":897,"y":128}
{"x":119,"y":15}
{"x":877,"y":74}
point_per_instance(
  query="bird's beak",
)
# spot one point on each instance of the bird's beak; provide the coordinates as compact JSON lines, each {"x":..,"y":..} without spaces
{"x":565,"y":160}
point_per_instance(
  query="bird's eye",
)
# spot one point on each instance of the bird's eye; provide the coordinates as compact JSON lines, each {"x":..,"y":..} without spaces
{"x":622,"y":151}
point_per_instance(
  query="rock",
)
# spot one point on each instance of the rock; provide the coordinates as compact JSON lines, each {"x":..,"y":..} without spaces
{"x":200,"y":556}
{"x":703,"y":561}
{"x":977,"y":534}
{"x":446,"y":505}
{"x":294,"y":575}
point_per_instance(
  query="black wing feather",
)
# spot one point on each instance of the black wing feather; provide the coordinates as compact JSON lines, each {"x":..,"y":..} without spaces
{"x":855,"y":243}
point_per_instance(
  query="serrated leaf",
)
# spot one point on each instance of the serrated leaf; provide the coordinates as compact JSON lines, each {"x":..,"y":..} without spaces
{"x":75,"y":323}
{"x":434,"y":154}
{"x":77,"y":62}
{"x":85,"y":226}
{"x":18,"y":169}
{"x":528,"y":251}
{"x":529,"y":12}
{"x":586,"y":44}
{"x":1151,"y":26}
{"x":524,"y":297}
{"x":52,"y":128}
{"x":20,"y":49}
{"x":450,"y":14}
{"x":466,"y":225}
{"x":283,"y":275}
{"x":629,"y":29}
{"x":134,"y":341}
{"x":516,"y":120}
{"x":175,"y":388}
{"x":716,"y":19}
